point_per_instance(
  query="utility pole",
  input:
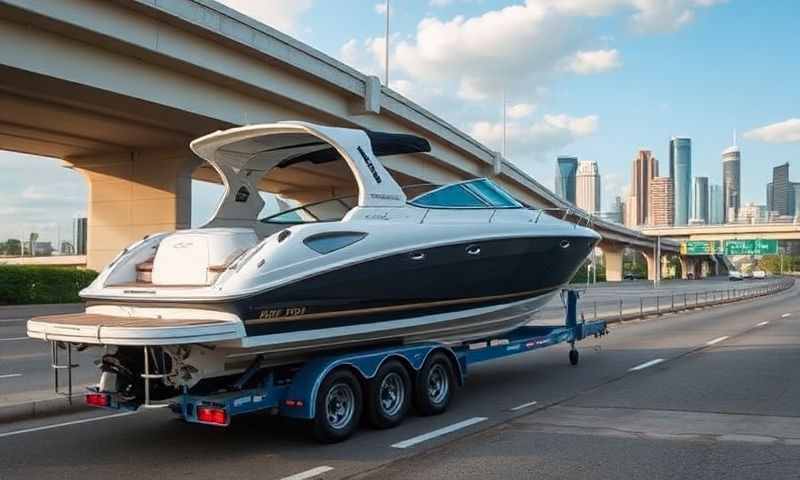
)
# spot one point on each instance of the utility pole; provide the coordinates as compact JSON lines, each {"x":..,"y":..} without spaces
{"x":657,"y":282}
{"x":386,"y":45}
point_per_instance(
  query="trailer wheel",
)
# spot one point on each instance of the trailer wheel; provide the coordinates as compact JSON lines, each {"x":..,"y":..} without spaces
{"x":434,"y":385}
{"x":388,"y":395}
{"x":574,"y":357}
{"x":338,"y":407}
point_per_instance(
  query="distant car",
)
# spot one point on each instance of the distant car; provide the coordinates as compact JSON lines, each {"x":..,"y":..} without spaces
{"x":747,"y":274}
{"x":759,"y":274}
{"x":633,"y":276}
{"x":735,"y":275}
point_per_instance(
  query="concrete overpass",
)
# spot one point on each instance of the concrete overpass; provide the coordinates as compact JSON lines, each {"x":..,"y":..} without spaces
{"x":733,"y":231}
{"x":116,"y":89}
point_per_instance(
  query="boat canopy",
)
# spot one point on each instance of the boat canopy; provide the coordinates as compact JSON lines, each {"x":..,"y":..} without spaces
{"x":243,"y":156}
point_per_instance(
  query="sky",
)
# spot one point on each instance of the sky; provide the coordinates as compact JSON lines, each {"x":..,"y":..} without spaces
{"x":599,"y":79}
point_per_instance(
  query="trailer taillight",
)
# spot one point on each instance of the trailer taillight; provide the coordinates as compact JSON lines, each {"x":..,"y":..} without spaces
{"x":214,"y":415}
{"x":97,"y":399}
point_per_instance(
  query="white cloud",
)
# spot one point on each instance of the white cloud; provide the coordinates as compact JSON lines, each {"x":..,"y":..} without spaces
{"x":787,"y":131}
{"x":440,"y":3}
{"x":645,"y":15}
{"x":380,"y":8}
{"x":594,"y":61}
{"x":280,"y":14}
{"x":520,"y":110}
{"x":548,"y":134}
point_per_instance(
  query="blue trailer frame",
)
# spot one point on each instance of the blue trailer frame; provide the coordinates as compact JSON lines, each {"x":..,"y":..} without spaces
{"x":297,"y":398}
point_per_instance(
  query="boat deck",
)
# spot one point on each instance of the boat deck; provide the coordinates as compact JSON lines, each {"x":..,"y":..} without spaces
{"x":112,"y":330}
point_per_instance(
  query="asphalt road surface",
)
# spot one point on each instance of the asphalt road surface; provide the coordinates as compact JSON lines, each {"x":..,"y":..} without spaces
{"x":712,"y":393}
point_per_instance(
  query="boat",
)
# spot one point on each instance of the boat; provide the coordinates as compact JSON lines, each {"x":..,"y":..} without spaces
{"x":373,"y":266}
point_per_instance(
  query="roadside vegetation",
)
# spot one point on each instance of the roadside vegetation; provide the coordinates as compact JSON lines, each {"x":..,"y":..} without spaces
{"x":23,"y":285}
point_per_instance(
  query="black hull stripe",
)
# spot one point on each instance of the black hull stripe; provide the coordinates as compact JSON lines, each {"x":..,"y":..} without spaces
{"x":400,"y":308}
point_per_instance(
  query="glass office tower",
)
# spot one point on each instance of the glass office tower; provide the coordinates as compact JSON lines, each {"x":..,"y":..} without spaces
{"x":700,"y":203}
{"x":680,"y":170}
{"x":731,"y":183}
{"x":715,"y":205}
{"x":566,"y":171}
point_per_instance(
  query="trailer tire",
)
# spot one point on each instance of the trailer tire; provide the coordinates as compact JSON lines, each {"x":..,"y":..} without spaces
{"x":574,"y":357}
{"x":338,"y":407}
{"x":434,"y":385}
{"x":388,"y":395}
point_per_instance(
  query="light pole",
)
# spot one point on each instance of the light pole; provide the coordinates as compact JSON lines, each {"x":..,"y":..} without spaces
{"x":386,"y":46}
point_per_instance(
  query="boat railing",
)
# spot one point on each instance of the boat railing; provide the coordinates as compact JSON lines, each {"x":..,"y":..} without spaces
{"x":581,"y":218}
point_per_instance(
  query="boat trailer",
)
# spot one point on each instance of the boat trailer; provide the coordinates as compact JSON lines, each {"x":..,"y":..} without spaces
{"x":308,"y":391}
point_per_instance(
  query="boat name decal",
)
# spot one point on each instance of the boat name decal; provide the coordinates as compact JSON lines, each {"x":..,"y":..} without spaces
{"x":282,"y":312}
{"x":370,"y":165}
{"x":385,"y":196}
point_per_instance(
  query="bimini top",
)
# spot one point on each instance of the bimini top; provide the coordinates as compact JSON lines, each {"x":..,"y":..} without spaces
{"x":243,"y":156}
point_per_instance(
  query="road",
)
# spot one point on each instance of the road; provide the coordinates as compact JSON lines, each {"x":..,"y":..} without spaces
{"x":712,"y":393}
{"x":25,"y":363}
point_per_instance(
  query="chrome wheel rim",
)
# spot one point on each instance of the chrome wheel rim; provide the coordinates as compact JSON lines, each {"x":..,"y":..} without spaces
{"x":392,"y":394}
{"x":438,"y":386}
{"x":339,"y":406}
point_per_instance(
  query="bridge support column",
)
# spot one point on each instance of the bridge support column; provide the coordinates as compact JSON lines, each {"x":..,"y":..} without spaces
{"x":687,"y":264}
{"x":651,"y":265}
{"x":133,"y":194}
{"x":612,"y":256}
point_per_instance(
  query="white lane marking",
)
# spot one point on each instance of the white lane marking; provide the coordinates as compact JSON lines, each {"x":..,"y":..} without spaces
{"x":11,"y":339}
{"x":717,"y":340}
{"x":762,"y":323}
{"x":11,"y":375}
{"x":65,"y":424}
{"x":12,"y":320}
{"x":786,"y":315}
{"x":309,"y":473}
{"x":524,"y":405}
{"x":439,"y":432}
{"x":646,"y":364}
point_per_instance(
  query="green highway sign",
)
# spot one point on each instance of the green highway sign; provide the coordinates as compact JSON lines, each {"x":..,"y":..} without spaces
{"x":701,"y":247}
{"x":751,"y":247}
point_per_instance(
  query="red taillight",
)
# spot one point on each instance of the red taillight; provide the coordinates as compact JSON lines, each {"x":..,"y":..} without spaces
{"x":213,"y":415}
{"x":97,"y":399}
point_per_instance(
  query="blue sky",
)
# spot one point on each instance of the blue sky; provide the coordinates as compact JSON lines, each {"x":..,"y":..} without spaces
{"x":595,"y":78}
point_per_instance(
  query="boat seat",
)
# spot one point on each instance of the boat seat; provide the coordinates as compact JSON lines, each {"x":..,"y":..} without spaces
{"x":144,"y":271}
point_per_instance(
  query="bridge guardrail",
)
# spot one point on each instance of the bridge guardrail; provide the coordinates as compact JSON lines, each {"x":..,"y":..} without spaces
{"x":657,"y":305}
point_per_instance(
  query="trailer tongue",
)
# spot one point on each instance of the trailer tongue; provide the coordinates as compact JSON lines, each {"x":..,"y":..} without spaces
{"x":334,"y":390}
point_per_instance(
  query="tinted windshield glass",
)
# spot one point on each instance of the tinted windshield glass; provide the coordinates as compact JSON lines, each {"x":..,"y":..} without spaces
{"x":328,"y":211}
{"x":492,"y":193}
{"x":452,"y":196}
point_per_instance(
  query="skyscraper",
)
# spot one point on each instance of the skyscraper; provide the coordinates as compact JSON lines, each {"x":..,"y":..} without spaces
{"x":588,"y":186}
{"x":796,"y":186}
{"x":645,"y":167}
{"x":566,"y":170}
{"x":680,"y":170}
{"x":79,"y":231}
{"x":782,"y":191}
{"x":715,"y":208}
{"x":770,"y":202}
{"x":700,"y":203}
{"x":731,"y":183}
{"x":661,"y":201}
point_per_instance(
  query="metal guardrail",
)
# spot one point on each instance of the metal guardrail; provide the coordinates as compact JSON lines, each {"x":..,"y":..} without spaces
{"x":619,"y":311}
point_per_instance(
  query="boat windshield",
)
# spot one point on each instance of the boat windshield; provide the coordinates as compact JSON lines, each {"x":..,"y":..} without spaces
{"x":332,"y":210}
{"x":478,"y":193}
